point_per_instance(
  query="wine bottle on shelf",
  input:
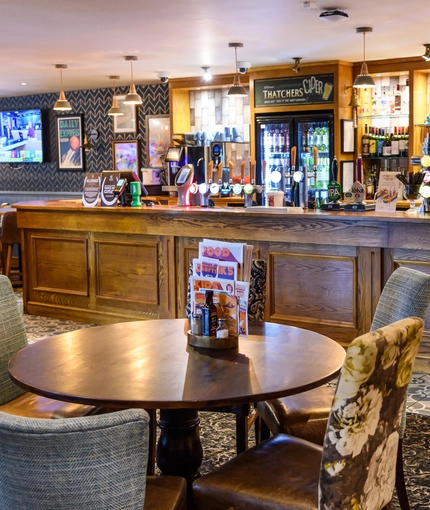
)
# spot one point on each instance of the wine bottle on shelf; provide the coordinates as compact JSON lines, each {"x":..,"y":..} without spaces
{"x":380,"y":142}
{"x":395,"y":143}
{"x":372,"y":143}
{"x":365,"y":142}
{"x":386,"y":145}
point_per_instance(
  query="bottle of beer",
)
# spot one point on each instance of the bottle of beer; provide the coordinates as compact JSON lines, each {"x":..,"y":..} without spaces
{"x":209,"y":315}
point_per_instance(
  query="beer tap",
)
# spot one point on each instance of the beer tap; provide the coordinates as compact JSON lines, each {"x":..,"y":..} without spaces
{"x":297,"y":178}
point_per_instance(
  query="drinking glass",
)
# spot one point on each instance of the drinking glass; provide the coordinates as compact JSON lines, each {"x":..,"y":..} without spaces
{"x":412,"y":192}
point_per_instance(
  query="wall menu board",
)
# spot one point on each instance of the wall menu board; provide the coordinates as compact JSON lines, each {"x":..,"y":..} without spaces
{"x":295,"y":90}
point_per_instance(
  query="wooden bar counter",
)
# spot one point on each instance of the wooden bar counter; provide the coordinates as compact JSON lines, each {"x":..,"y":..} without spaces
{"x":326,"y":270}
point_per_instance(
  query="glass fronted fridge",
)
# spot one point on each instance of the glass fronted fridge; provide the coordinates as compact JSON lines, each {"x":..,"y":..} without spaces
{"x":293,"y":154}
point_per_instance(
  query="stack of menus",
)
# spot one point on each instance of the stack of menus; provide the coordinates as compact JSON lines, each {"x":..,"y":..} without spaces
{"x":224,"y":268}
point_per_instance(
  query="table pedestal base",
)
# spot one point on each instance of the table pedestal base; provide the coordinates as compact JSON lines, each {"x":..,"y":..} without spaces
{"x":179,"y":450}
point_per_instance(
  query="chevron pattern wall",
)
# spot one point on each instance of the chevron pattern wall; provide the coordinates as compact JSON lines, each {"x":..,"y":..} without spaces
{"x":94,"y":105}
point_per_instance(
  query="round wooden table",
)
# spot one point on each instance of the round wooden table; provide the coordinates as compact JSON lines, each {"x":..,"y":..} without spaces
{"x":148,"y":364}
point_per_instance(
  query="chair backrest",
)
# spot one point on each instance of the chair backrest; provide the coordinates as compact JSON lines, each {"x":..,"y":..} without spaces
{"x":10,"y":233}
{"x":406,"y":294}
{"x":12,"y":338}
{"x":91,"y":462}
{"x":361,"y":441}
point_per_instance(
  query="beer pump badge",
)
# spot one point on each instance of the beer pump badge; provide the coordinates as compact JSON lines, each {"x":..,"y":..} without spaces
{"x":358,"y":193}
{"x":334,"y":191}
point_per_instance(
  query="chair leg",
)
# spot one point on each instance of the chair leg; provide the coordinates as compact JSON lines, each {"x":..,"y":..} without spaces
{"x":402,"y":494}
{"x":8,"y":259}
{"x":241,"y":433}
{"x":152,"y":441}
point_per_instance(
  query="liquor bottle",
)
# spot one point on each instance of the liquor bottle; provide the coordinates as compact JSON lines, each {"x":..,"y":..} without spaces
{"x":384,"y":103}
{"x":405,"y":99}
{"x":311,"y":137}
{"x":271,"y":146}
{"x":397,"y":100}
{"x":365,"y":142}
{"x":267,"y":140}
{"x":386,"y":145}
{"x":209,"y":315}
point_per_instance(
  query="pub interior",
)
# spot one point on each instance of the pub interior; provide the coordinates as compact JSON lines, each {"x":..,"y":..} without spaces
{"x":119,"y":182}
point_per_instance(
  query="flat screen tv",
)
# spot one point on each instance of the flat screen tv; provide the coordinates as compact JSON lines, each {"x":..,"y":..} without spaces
{"x":22,"y":136}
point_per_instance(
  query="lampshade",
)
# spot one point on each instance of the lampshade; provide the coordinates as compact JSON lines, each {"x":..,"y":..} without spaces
{"x":236,"y":89}
{"x":132,"y":97}
{"x":364,"y":80}
{"x":115,"y":110}
{"x":62,"y":104}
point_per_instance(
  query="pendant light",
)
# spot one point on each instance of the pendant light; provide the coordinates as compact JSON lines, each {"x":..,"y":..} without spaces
{"x":364,"y":80}
{"x":132,"y":97}
{"x":236,"y":89}
{"x":62,"y":104}
{"x":206,"y":74}
{"x":115,"y":110}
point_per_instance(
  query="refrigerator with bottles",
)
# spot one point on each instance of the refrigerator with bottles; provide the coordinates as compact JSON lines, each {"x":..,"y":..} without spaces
{"x":293,"y":155}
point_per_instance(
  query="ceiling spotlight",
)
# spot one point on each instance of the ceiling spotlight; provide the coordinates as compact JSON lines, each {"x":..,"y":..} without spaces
{"x":364,"y":80}
{"x":132,"y":97}
{"x":296,"y":67}
{"x":333,"y":14}
{"x":236,"y":89}
{"x":62,"y":104}
{"x":115,"y":110}
{"x":206,"y":74}
{"x":426,"y":55}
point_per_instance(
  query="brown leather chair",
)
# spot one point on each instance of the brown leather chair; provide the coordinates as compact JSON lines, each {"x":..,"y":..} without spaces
{"x":406,"y":293}
{"x":355,"y":466}
{"x":10,"y":236}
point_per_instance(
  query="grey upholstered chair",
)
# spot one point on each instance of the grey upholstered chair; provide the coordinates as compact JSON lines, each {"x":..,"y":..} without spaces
{"x":406,"y":293}
{"x":355,"y":467}
{"x":87,"y":463}
{"x":15,"y":400}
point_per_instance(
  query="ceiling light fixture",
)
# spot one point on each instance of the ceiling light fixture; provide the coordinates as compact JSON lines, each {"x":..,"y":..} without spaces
{"x":236,"y":89}
{"x":426,"y":55}
{"x":296,"y":67}
{"x":333,"y":14}
{"x":62,"y":104}
{"x":206,"y":74}
{"x":364,"y":80}
{"x":115,"y":110}
{"x":132,"y":97}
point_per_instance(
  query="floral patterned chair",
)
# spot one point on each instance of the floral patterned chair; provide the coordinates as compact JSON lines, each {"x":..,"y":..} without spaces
{"x":355,"y":467}
{"x":406,"y":293}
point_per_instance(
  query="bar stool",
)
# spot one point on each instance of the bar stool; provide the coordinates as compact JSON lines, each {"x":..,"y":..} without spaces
{"x":10,"y":236}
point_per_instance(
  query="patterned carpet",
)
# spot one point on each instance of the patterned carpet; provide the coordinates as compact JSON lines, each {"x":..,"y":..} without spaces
{"x":218,"y":429}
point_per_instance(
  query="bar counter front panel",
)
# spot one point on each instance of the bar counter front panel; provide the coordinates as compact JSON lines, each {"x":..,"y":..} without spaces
{"x":326,"y":270}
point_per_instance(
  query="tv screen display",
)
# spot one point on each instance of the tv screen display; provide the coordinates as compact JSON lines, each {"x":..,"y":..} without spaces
{"x":21,"y":136}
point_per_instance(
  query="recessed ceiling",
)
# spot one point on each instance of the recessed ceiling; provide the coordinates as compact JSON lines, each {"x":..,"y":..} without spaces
{"x":180,"y":37}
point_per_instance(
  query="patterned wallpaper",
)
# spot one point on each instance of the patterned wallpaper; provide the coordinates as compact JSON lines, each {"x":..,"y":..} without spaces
{"x":93,"y":104}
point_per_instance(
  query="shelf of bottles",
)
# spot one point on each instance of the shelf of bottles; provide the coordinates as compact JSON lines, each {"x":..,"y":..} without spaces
{"x":315,"y":134}
{"x":276,"y":153}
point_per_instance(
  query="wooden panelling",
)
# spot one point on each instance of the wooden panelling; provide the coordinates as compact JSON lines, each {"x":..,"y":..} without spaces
{"x":305,"y":288}
{"x":60,"y":264}
{"x":127,"y":270}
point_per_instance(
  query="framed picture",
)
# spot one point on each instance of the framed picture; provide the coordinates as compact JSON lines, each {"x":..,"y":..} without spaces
{"x":70,"y":136}
{"x":347,"y":136}
{"x":158,"y":139}
{"x":125,"y":123}
{"x":126,"y":155}
{"x":346,"y":175}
